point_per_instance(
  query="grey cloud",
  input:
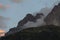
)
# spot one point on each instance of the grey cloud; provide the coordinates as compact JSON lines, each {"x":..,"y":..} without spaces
{"x":3,"y":25}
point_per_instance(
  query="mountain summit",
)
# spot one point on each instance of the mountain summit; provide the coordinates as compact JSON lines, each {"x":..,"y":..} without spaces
{"x":29,"y":17}
{"x":54,"y":16}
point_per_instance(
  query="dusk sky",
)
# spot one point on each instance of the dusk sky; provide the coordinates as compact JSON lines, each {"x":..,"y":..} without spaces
{"x":17,"y":11}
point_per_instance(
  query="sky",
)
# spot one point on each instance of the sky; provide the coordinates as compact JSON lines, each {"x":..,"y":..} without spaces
{"x":17,"y":11}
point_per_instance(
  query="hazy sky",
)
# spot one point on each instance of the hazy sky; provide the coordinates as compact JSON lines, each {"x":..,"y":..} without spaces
{"x":17,"y":11}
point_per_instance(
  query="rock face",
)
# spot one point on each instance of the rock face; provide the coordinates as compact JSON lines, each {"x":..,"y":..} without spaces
{"x":54,"y":16}
{"x":29,"y":17}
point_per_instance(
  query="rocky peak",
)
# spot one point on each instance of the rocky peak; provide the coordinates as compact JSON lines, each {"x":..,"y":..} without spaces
{"x":29,"y":17}
{"x":54,"y":16}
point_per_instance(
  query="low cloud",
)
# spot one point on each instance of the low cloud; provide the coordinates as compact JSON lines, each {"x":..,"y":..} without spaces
{"x":40,"y":21}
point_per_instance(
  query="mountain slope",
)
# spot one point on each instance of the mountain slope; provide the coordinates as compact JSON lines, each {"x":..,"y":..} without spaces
{"x":54,"y":16}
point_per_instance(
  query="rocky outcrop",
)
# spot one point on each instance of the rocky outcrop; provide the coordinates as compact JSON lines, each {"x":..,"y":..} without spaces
{"x":29,"y":17}
{"x":54,"y":16}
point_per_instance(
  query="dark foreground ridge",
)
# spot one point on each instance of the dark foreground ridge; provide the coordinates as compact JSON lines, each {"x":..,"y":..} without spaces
{"x":47,"y":32}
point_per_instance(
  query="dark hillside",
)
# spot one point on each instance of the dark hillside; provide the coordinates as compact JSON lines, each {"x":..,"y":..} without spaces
{"x":47,"y":32}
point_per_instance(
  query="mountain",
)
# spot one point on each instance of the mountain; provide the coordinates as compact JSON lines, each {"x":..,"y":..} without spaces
{"x":46,"y":10}
{"x":25,"y":20}
{"x":51,"y":31}
{"x":54,"y":16}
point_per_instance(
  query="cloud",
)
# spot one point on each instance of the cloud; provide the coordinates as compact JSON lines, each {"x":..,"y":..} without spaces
{"x":39,"y":21}
{"x":3,"y":25}
{"x":46,"y":10}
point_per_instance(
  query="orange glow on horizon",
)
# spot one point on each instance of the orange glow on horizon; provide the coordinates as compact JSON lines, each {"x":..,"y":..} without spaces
{"x":2,"y":33}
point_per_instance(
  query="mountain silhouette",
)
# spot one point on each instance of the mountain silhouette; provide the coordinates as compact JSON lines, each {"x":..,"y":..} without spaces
{"x":53,"y":18}
{"x":29,"y":17}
